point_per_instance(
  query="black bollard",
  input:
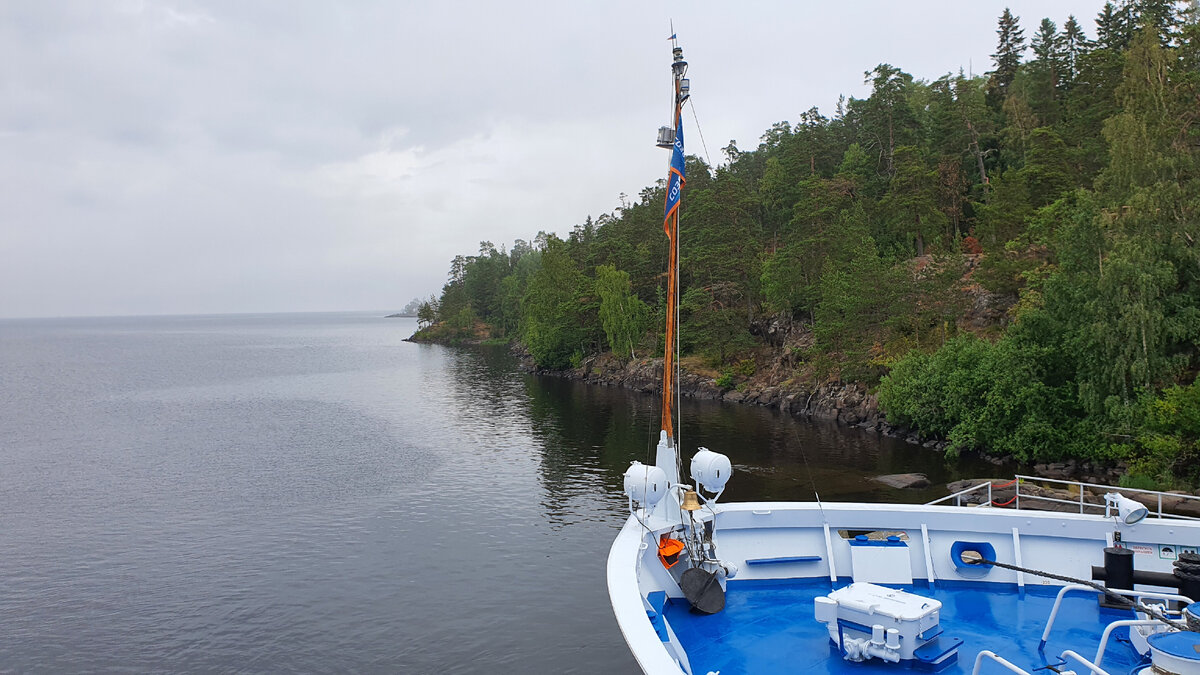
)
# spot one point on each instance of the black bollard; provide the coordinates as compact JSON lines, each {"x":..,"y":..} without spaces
{"x":1117,"y":572}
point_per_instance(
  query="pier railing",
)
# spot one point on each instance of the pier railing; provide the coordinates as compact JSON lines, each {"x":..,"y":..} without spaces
{"x":1085,"y":496}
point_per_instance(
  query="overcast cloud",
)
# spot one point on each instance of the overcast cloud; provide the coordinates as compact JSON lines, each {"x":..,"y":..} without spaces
{"x":208,"y":157}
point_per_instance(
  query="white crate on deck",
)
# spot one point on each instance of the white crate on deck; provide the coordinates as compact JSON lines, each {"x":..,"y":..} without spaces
{"x":854,"y":611}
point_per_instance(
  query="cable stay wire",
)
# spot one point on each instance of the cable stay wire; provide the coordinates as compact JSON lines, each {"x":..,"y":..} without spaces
{"x":696,"y":118}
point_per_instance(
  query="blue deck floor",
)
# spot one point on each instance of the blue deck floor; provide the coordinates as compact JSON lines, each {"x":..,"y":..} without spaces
{"x":768,"y":627}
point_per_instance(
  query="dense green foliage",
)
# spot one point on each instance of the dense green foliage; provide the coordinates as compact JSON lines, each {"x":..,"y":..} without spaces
{"x":624,"y":316}
{"x":1065,"y":180}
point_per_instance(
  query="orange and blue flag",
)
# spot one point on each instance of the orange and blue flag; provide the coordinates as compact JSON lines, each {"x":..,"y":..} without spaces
{"x":675,"y":178}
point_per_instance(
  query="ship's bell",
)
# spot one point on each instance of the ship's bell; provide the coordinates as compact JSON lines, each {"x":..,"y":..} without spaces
{"x":691,"y":501}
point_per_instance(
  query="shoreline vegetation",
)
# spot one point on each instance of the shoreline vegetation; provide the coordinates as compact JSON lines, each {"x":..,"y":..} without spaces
{"x":1004,"y":263}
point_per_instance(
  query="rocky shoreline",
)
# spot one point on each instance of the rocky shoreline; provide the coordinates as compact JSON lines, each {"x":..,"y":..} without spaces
{"x":848,"y":403}
{"x":772,"y":384}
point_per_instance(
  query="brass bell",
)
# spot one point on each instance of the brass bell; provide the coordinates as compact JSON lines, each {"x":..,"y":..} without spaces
{"x":691,"y":501}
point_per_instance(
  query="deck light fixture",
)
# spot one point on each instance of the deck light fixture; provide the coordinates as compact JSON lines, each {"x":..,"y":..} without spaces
{"x":1127,"y":510}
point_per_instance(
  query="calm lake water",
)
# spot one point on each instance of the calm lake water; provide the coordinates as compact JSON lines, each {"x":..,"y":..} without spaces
{"x":310,"y":493}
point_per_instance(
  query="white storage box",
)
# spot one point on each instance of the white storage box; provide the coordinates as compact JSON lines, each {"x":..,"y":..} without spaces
{"x":856,"y":610}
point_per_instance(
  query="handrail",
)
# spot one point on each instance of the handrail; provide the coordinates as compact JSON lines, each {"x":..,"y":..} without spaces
{"x":1002,"y":661}
{"x":1119,"y":624}
{"x":1117,"y":591}
{"x":1090,"y":666}
{"x":1081,"y":502}
{"x":957,"y":496}
{"x":1110,"y":488}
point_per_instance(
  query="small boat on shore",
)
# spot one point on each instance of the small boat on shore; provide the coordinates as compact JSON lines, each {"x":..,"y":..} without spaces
{"x":703,"y":587}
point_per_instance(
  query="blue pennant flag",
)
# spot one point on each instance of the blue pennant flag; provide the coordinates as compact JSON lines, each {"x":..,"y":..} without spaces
{"x":675,"y":179}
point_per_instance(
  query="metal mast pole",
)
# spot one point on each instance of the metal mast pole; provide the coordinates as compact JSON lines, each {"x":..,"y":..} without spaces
{"x":671,"y":226}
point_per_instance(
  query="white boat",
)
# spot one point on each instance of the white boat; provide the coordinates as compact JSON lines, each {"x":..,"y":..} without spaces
{"x":702,"y":587}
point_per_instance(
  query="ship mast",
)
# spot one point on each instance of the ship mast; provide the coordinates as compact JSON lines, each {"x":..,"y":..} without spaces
{"x":672,"y":138}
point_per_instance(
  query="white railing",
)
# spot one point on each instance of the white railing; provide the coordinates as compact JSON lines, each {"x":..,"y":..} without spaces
{"x":1088,"y":664}
{"x":1152,"y":499}
{"x":1137,"y":595}
{"x":1108,"y":631}
{"x":1008,"y":665}
{"x":957,"y":496}
{"x":987,"y":654}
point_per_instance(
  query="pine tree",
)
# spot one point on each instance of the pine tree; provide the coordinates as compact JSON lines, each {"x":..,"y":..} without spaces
{"x":1046,"y":70}
{"x":1046,"y":43}
{"x":971,"y":99}
{"x":1008,"y":55}
{"x":1114,"y":27}
{"x":887,"y":117}
{"x":911,"y":202}
{"x":1074,"y":44}
{"x":1157,"y":16}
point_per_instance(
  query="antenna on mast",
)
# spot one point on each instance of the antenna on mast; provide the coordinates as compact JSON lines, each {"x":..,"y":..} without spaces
{"x":682,"y":89}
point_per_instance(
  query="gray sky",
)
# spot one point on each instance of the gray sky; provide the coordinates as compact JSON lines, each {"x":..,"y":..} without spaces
{"x":205,"y":157}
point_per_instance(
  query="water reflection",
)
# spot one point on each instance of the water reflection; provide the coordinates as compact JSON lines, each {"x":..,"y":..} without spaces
{"x":588,"y":434}
{"x":485,"y":381}
{"x":583,"y":437}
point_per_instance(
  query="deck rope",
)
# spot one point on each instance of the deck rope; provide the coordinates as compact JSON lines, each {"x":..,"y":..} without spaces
{"x":1136,"y":606}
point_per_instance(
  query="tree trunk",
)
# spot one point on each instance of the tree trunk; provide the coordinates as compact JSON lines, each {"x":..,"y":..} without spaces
{"x":891,"y":168}
{"x":978,"y":155}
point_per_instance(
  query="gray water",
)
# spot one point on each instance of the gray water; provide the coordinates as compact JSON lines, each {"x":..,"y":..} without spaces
{"x":310,"y":493}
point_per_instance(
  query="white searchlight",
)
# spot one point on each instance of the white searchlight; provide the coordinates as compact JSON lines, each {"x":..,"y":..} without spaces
{"x":1127,"y":510}
{"x":645,"y":484}
{"x":711,"y":470}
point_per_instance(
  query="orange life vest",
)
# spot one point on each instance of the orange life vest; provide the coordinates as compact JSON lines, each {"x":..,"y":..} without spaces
{"x":669,"y":550}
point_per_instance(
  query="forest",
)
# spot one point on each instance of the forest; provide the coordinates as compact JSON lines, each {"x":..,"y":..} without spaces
{"x":1063,"y":187}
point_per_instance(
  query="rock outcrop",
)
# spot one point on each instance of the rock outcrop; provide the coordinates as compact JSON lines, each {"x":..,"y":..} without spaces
{"x":904,"y":480}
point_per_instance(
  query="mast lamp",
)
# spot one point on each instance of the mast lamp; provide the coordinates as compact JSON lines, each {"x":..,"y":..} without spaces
{"x":679,"y":65}
{"x":666,"y":137}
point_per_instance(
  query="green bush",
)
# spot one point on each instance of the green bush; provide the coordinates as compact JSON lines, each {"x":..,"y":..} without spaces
{"x":725,"y":381}
{"x":1139,"y":482}
{"x":1167,"y":449}
{"x":745,"y":367}
{"x":981,"y":395}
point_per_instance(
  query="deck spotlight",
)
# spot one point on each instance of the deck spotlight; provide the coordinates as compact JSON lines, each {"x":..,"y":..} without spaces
{"x":1129,"y":511}
{"x":645,"y":484}
{"x":711,"y":470}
